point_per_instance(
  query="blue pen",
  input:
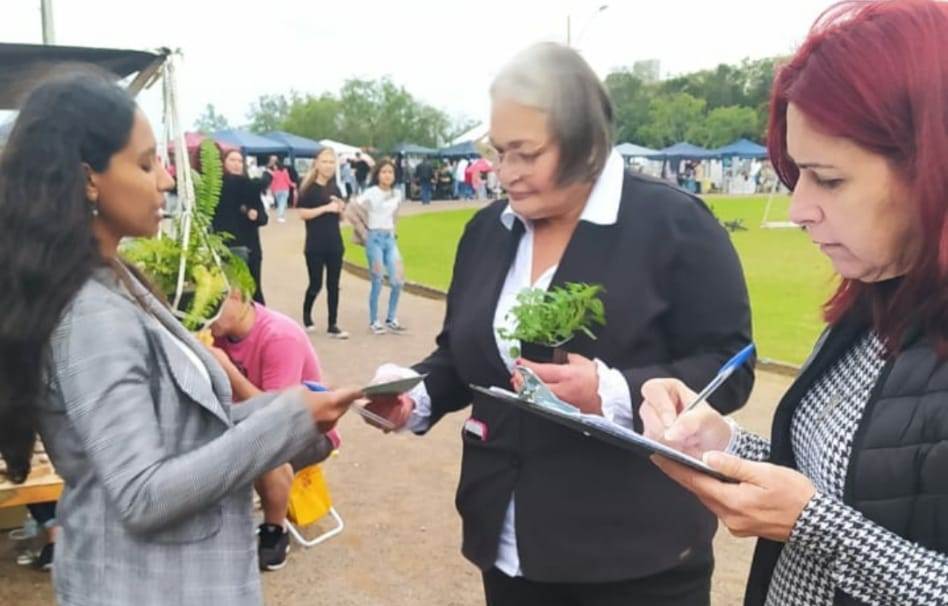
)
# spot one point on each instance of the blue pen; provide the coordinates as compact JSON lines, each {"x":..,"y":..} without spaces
{"x":314,"y":386}
{"x":726,"y":371}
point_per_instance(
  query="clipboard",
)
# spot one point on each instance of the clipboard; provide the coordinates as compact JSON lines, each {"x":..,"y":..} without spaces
{"x":594,"y":426}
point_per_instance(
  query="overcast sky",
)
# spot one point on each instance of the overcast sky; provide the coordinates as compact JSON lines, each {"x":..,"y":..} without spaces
{"x":445,"y":53}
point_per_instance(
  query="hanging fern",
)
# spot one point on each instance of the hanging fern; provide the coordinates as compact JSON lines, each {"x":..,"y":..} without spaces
{"x":160,"y":258}
{"x":207,"y":192}
{"x":210,"y":288}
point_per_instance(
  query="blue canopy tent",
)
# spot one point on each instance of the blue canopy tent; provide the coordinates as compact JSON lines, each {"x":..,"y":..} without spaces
{"x":631,"y":150}
{"x":300,"y":147}
{"x":682,"y":151}
{"x":250,"y":143}
{"x":410,"y":149}
{"x":742,"y":148}
{"x":674,"y":154}
{"x":461,"y":150}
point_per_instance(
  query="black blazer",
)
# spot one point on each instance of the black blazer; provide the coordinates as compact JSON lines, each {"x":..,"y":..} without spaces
{"x":676,"y":305}
{"x":239,"y":195}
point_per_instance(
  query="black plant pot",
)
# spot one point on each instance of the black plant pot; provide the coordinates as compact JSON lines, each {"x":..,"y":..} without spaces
{"x":543,"y":354}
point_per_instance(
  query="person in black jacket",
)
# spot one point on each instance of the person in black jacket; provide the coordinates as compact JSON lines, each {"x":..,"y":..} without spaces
{"x":240,"y":212}
{"x":850,"y":495}
{"x":551,"y":517}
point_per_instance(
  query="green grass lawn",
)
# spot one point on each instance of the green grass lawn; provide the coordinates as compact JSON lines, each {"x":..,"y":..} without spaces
{"x":788,"y":277}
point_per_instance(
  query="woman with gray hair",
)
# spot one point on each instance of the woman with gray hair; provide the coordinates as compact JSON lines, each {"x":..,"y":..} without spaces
{"x":551,"y":517}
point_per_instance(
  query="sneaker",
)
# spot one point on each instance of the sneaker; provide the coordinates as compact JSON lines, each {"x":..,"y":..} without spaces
{"x":44,"y":561}
{"x":281,"y":220}
{"x":273,"y":543}
{"x":335,"y":333}
{"x":309,"y":327}
{"x":377,"y":328}
{"x":394,"y":326}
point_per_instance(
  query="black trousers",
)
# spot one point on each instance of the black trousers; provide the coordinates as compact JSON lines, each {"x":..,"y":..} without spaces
{"x":687,"y":585}
{"x":254,"y":263}
{"x":42,"y":512}
{"x":316,"y":263}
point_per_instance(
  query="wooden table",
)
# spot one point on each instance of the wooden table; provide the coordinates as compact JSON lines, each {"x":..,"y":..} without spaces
{"x":41,"y":485}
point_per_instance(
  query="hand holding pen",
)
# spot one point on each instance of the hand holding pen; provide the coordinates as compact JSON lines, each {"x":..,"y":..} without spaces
{"x":672,"y":413}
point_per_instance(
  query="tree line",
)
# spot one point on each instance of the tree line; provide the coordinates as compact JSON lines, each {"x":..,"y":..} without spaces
{"x":708,"y":108}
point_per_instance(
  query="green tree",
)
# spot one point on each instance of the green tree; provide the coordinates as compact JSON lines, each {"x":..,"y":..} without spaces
{"x":314,"y":117}
{"x":210,"y":121}
{"x":671,"y":118}
{"x":269,"y":112}
{"x":725,"y":124}
{"x":631,"y":98}
{"x":380,"y":114}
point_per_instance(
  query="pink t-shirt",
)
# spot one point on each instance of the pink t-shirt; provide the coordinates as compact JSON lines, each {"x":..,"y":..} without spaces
{"x":276,"y":354}
{"x":281,"y":180}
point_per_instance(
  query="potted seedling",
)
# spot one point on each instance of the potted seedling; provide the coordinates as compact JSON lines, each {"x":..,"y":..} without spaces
{"x":210,"y":266}
{"x":546,"y":320}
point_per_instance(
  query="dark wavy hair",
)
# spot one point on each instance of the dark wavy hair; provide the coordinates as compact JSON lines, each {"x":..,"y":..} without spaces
{"x":75,"y":118}
{"x":374,"y":180}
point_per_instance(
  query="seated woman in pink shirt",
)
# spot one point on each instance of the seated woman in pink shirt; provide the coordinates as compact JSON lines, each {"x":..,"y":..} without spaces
{"x":264,"y":350}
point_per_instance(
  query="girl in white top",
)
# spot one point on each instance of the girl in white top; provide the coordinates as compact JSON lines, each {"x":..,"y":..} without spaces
{"x":381,"y":202}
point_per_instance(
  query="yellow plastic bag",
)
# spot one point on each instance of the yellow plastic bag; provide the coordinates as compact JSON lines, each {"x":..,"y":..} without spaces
{"x":309,"y":496}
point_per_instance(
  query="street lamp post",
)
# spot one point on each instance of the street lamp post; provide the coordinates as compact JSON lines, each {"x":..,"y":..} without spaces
{"x":569,"y":33}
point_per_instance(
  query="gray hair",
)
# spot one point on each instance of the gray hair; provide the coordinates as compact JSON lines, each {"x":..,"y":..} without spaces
{"x":557,"y":80}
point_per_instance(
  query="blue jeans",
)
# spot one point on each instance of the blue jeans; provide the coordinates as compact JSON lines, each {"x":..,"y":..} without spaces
{"x":281,"y":198}
{"x":381,"y":253}
{"x":425,"y":192}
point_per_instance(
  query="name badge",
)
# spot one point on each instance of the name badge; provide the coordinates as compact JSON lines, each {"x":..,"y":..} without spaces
{"x":475,"y":429}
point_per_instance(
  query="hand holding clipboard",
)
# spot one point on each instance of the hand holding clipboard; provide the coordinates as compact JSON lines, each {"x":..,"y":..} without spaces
{"x":760,"y":499}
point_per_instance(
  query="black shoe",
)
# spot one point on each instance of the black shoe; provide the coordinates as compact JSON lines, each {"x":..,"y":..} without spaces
{"x":45,"y":559}
{"x":335,"y":333}
{"x":273,"y":543}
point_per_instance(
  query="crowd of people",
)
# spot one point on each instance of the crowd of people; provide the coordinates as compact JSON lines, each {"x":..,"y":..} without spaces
{"x":159,"y":438}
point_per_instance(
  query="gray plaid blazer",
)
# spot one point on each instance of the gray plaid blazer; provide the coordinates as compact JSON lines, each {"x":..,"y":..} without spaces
{"x":157,"y":464}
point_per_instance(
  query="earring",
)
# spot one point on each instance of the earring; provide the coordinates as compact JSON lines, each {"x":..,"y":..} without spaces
{"x":94,"y":208}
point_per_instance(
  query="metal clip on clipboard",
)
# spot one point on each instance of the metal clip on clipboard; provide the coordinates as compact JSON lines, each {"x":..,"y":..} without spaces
{"x":536,"y":392}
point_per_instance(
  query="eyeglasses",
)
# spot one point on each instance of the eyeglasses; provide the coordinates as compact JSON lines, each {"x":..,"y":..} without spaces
{"x":521,"y":162}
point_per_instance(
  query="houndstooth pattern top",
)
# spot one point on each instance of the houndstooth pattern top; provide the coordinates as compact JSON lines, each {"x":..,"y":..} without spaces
{"x":833,"y":546}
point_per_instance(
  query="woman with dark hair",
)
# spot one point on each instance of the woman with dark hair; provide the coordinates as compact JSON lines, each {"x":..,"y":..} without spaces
{"x":850,"y":495}
{"x":550,"y":517}
{"x":321,"y":206}
{"x":240,"y":212}
{"x":381,"y":203}
{"x":133,"y":411}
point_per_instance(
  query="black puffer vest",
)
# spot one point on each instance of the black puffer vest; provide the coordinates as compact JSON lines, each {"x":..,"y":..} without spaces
{"x":898,"y":470}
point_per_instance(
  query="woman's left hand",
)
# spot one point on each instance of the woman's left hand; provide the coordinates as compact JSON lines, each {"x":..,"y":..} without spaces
{"x":576,"y":382}
{"x":766,"y":503}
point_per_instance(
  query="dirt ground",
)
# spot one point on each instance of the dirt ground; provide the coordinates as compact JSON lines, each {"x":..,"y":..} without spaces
{"x":401,"y":543}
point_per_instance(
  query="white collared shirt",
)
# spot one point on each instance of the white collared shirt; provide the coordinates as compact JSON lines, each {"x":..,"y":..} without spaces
{"x":602,"y":208}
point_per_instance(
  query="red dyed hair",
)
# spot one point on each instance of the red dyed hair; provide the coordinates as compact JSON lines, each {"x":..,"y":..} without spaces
{"x":876,"y":73}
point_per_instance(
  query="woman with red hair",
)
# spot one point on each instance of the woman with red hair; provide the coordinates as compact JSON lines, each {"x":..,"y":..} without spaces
{"x":850,"y":495}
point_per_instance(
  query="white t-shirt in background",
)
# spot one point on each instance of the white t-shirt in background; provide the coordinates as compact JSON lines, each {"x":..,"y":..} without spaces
{"x":382,"y":206}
